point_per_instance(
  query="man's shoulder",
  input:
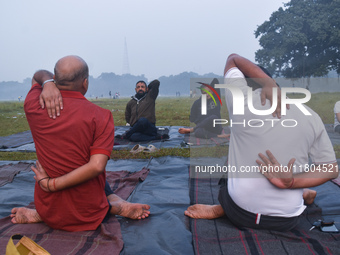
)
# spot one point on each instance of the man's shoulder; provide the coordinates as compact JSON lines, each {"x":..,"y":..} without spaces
{"x":89,"y":107}
{"x":131,"y":101}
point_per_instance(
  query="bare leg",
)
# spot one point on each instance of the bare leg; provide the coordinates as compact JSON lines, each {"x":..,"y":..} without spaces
{"x":200,"y":211}
{"x":185,"y":130}
{"x":24,"y":215}
{"x":308,"y":196}
{"x":126,"y":209}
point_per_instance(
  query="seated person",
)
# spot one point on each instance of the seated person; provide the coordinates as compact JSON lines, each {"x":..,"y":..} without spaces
{"x":140,"y":113}
{"x":337,"y":117}
{"x":274,"y":200}
{"x":204,"y":122}
{"x":71,"y":192}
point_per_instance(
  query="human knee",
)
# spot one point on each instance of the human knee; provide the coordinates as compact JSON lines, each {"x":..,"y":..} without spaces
{"x":200,"y":133}
{"x":337,"y":129}
{"x":135,"y":137}
{"x":143,"y":121}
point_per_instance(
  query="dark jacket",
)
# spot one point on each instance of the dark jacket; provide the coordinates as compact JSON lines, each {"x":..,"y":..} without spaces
{"x":212,"y":109}
{"x":143,"y":107}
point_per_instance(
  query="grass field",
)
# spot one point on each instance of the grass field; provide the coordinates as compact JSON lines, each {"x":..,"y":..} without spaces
{"x":169,"y":111}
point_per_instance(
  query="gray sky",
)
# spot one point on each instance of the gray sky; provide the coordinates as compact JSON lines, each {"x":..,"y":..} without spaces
{"x":163,"y":37}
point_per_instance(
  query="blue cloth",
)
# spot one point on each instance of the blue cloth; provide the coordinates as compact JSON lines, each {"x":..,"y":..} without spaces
{"x":142,"y":130}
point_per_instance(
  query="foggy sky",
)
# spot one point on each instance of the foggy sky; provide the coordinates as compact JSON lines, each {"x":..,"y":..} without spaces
{"x":163,"y":37}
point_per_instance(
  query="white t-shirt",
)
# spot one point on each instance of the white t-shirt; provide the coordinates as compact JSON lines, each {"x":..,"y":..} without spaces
{"x":336,"y":110}
{"x":252,"y":191}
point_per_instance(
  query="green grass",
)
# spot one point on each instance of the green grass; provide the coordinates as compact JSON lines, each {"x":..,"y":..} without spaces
{"x":17,"y":156}
{"x":125,"y":154}
{"x":323,"y":104}
{"x":116,"y":154}
{"x":169,"y":112}
{"x":12,"y":118}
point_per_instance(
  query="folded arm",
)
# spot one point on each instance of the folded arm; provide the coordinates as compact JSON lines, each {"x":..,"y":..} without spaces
{"x":283,"y":179}
{"x":92,"y":169}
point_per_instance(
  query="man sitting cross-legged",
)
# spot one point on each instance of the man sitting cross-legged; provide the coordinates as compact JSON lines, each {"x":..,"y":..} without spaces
{"x":71,"y":192}
{"x":260,"y":199}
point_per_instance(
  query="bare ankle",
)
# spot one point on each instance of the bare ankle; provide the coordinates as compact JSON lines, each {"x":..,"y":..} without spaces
{"x":218,"y":210}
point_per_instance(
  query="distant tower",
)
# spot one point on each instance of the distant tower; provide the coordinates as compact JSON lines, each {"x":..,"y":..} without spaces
{"x":126,"y":68}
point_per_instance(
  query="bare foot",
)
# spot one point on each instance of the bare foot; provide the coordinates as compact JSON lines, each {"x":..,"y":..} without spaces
{"x":224,"y":136}
{"x":200,"y":211}
{"x":309,"y":196}
{"x":24,"y":215}
{"x":126,"y":209}
{"x":185,"y":130}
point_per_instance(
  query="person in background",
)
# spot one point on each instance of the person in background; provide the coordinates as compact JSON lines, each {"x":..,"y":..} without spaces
{"x":204,"y":122}
{"x":140,"y":113}
{"x":337,"y":117}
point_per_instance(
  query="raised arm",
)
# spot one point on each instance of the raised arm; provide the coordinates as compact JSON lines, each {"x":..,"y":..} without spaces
{"x":249,"y":69}
{"x":153,"y":88}
{"x":50,"y":95}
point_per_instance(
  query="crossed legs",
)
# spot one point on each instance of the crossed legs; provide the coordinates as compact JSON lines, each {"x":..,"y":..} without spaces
{"x":119,"y":207}
{"x":200,"y":211}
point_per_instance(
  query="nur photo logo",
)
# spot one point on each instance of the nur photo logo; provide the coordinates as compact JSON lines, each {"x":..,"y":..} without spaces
{"x":204,"y":96}
{"x":241,"y":98}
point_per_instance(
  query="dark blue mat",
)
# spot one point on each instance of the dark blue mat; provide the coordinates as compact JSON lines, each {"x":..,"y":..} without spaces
{"x":24,"y":142}
{"x":166,"y":190}
{"x":16,"y":140}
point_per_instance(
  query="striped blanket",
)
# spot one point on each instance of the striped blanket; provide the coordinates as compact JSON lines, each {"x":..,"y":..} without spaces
{"x":106,"y":239}
{"x":219,"y":236}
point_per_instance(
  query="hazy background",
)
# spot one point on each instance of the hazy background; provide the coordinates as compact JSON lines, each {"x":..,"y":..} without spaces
{"x":163,"y":37}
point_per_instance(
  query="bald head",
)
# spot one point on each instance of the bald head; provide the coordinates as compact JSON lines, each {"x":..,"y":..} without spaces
{"x":70,"y":73}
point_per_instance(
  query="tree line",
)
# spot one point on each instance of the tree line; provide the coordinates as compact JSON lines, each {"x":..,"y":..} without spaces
{"x":301,"y":40}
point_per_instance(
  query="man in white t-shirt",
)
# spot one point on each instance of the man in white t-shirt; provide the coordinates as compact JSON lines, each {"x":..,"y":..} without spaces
{"x":337,"y":117}
{"x":248,"y":198}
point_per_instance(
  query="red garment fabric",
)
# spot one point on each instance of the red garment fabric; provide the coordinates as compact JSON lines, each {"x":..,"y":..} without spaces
{"x":64,"y":144}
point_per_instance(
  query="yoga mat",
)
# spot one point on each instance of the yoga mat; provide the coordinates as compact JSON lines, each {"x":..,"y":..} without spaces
{"x":106,"y":239}
{"x":219,"y":236}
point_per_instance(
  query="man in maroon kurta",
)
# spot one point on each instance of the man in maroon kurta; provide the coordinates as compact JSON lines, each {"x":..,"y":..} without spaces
{"x":72,"y":152}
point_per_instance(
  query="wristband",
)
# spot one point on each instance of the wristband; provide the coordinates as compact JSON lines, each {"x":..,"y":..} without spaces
{"x":48,"y":184}
{"x":42,"y":179}
{"x":50,"y":80}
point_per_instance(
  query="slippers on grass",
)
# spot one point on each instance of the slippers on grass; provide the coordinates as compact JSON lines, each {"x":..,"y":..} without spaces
{"x":150,"y":148}
{"x":137,"y":148}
